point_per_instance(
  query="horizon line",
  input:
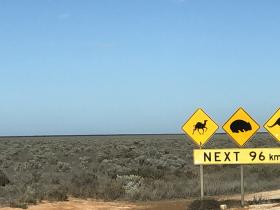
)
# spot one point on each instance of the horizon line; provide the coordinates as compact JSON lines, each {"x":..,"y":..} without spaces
{"x":120,"y":134}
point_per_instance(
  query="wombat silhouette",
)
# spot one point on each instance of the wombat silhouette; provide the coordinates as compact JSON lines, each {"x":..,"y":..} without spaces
{"x":276,"y":123}
{"x":240,"y":125}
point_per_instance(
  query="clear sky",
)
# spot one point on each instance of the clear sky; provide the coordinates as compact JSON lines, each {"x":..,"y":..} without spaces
{"x":134,"y":66}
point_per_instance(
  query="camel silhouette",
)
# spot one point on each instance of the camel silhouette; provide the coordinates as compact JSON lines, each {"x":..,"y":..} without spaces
{"x":199,"y":125}
{"x":276,"y":123}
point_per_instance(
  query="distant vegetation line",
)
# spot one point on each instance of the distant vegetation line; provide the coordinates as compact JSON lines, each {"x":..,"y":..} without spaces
{"x":120,"y":134}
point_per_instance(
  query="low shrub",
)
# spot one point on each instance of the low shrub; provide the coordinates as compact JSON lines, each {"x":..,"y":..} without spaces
{"x":63,"y":167}
{"x":18,"y":204}
{"x":131,"y":184}
{"x":4,"y":180}
{"x":112,"y":190}
{"x":57,"y":193}
{"x":150,"y":172}
{"x":29,"y":196}
{"x":84,"y":184}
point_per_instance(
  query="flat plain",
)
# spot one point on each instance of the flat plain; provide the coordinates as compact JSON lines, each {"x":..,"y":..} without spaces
{"x":125,"y":168}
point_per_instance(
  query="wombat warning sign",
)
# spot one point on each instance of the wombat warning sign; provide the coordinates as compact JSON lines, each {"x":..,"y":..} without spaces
{"x":241,"y":127}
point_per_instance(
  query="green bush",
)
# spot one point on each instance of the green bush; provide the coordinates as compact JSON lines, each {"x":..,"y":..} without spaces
{"x":57,"y":193}
{"x":112,"y":190}
{"x":84,"y":184}
{"x":29,"y":196}
{"x":150,"y":172}
{"x":3,"y":179}
{"x":18,"y":204}
{"x":131,"y":184}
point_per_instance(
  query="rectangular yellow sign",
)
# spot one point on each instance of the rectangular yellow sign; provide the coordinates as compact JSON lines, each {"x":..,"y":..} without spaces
{"x":236,"y":156}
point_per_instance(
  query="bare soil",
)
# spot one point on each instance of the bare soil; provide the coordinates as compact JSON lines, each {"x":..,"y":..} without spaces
{"x":79,"y":204}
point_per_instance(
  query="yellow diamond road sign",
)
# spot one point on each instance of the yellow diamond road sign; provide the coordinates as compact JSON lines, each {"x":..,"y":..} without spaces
{"x":241,"y":127}
{"x":273,"y":125}
{"x":200,"y":127}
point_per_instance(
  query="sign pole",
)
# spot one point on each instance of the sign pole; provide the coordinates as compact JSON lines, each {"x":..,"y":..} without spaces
{"x":200,"y":128}
{"x":201,"y":183}
{"x":201,"y":179}
{"x":242,"y":184}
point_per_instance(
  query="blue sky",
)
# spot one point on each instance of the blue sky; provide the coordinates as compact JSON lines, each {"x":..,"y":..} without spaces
{"x":141,"y":66}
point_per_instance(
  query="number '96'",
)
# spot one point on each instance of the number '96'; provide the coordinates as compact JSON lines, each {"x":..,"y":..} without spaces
{"x":254,"y":155}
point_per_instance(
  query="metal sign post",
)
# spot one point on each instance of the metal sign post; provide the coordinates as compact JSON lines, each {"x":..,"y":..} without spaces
{"x":201,"y":180}
{"x":241,"y":127}
{"x":201,"y":183}
{"x":242,"y":184}
{"x":200,"y":128}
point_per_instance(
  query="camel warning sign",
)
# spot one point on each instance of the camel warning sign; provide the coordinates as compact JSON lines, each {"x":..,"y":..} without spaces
{"x":200,"y":127}
{"x":273,"y":125}
{"x":241,"y":127}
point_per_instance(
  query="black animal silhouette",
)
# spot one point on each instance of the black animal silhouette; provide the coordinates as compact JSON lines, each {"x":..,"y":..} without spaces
{"x":240,"y":125}
{"x":276,"y":123}
{"x":199,"y":125}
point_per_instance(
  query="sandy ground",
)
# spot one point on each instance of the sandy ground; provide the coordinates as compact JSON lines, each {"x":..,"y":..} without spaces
{"x":78,"y":204}
{"x":261,"y":207}
{"x":275,"y":194}
{"x":75,"y":204}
